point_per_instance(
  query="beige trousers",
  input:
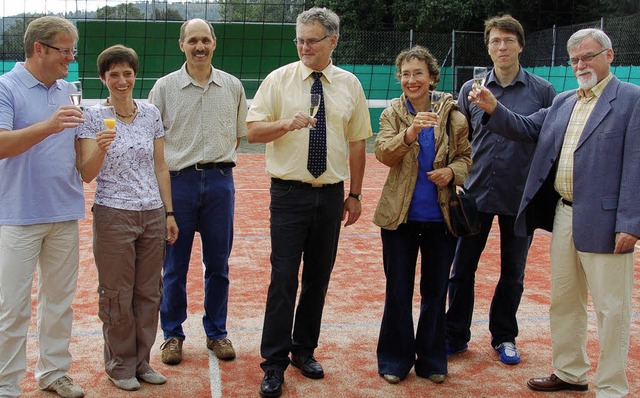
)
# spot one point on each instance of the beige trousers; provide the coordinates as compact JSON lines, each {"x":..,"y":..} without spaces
{"x":609,"y":279}
{"x":54,"y":249}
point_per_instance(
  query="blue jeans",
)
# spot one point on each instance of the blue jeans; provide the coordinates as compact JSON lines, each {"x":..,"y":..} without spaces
{"x":503,"y":324}
{"x":203,"y":201}
{"x":397,"y":346}
{"x":305,"y":225}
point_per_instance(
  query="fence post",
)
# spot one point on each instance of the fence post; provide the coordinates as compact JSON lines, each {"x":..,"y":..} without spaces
{"x":453,"y":63}
{"x":411,"y":38}
{"x":553,"y":46}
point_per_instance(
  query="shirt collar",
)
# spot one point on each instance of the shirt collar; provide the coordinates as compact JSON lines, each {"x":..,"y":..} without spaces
{"x":597,"y":90}
{"x":326,"y":72}
{"x":410,"y":107}
{"x":186,"y":80}
{"x":520,"y":77}
{"x":28,"y":79}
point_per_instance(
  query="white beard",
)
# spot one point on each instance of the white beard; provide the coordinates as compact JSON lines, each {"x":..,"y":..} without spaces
{"x":587,"y":83}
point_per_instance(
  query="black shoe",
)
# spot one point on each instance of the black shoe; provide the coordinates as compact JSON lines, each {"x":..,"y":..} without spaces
{"x":272,"y":383}
{"x":309,"y":367}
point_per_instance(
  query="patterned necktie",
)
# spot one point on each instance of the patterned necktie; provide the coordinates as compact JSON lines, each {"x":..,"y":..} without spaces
{"x":317,"y":162}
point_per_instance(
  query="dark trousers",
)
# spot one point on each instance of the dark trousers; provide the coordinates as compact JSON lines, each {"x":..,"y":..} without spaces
{"x":397,"y":345}
{"x":503,"y":324}
{"x":305,"y":225}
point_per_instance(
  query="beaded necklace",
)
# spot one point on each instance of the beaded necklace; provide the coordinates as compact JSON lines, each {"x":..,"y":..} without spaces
{"x":135,"y":110}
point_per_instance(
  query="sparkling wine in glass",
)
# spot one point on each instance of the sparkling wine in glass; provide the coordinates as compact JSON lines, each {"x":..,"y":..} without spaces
{"x":108,"y":116}
{"x":314,"y":105}
{"x":76,"y":95}
{"x":479,"y":75}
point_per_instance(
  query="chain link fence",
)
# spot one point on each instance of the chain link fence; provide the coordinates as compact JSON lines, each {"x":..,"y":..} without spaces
{"x":372,"y":53}
{"x":460,"y":51}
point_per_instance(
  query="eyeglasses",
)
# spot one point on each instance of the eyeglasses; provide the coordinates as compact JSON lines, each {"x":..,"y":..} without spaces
{"x":64,"y":51}
{"x":509,"y":41}
{"x":309,"y":42}
{"x":585,"y":58}
{"x":416,"y":75}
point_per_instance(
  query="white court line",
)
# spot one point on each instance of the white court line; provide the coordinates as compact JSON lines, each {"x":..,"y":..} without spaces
{"x":215,"y":376}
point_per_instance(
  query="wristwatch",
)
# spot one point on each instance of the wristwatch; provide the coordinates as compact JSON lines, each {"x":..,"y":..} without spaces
{"x":356,"y":195}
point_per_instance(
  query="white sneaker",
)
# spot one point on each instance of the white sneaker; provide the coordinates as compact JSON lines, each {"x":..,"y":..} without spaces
{"x":152,"y":377}
{"x":130,"y":384}
{"x":66,"y":388}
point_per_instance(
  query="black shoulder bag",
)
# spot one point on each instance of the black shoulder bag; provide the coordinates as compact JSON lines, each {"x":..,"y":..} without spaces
{"x":463,"y":210}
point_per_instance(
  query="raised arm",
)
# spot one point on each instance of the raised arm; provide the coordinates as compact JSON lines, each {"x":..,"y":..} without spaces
{"x":502,"y":121}
{"x":15,"y":142}
{"x":268,"y":131}
{"x":93,"y":152}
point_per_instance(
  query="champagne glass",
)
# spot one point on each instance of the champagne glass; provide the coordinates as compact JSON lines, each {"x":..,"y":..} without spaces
{"x":108,"y":116}
{"x":479,"y":75}
{"x":314,"y":104}
{"x":76,"y":95}
{"x":436,"y":101}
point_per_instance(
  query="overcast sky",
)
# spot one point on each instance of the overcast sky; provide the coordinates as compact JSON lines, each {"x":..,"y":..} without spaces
{"x":13,"y":7}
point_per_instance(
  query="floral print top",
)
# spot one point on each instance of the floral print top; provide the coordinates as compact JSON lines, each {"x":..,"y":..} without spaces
{"x":127,"y":178}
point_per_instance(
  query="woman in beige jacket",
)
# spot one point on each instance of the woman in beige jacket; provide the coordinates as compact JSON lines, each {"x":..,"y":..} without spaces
{"x":425,"y":152}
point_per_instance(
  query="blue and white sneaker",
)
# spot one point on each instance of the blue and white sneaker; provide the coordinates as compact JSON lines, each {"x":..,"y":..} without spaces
{"x":509,"y":354}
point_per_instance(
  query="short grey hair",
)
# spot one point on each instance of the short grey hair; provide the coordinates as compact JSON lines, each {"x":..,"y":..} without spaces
{"x":324,"y":16}
{"x":597,"y":34}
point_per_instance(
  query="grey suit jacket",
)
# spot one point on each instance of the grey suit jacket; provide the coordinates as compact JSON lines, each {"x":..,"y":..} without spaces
{"x":606,"y":169}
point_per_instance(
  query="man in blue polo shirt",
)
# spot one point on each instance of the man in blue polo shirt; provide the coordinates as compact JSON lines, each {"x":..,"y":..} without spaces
{"x":42,"y":200}
{"x":497,"y":177}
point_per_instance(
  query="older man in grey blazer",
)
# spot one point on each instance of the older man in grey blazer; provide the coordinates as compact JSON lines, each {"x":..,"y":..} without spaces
{"x":583,"y":185}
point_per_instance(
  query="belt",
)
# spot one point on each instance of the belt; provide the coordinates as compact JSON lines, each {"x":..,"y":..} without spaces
{"x":567,"y":203}
{"x":300,"y":184}
{"x":210,"y":166}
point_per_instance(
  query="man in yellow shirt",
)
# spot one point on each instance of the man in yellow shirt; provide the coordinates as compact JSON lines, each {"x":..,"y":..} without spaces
{"x":307,"y":160}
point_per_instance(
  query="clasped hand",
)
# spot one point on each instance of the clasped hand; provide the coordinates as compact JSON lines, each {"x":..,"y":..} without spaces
{"x":301,"y":120}
{"x":67,"y":116}
{"x":422,"y":120}
{"x":440,"y":177}
{"x":425,"y":119}
{"x":105,"y":138}
{"x":483,"y":98}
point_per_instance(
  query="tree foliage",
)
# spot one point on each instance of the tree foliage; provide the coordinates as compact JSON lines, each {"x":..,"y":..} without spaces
{"x":261,"y":10}
{"x":13,"y":36}
{"x":167,"y":14}
{"x":121,"y":11}
{"x":439,"y":16}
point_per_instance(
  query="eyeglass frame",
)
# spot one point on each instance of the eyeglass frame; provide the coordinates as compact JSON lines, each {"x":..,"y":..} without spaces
{"x":309,"y":42}
{"x":586,"y":58}
{"x":415,"y":75}
{"x":508,"y":41}
{"x":64,"y":51}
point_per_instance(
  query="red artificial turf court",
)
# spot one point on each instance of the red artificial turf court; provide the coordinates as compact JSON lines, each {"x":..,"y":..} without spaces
{"x":350,"y":325}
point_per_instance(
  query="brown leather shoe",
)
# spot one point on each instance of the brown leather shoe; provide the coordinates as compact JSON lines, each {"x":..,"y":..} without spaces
{"x":222,"y":348}
{"x":171,"y":351}
{"x":553,"y":383}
